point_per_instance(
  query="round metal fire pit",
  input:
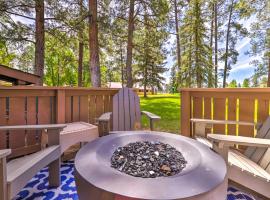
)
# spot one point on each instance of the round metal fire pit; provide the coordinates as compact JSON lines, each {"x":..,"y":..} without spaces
{"x":203,"y":178}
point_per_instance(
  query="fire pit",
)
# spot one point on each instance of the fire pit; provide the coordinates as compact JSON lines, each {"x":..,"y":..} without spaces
{"x":149,"y":165}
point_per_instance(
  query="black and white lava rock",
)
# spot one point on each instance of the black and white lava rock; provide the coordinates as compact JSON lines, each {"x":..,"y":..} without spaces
{"x":148,"y":159}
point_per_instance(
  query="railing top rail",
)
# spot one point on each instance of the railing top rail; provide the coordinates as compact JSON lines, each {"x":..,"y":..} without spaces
{"x":55,"y":88}
{"x":222,"y":90}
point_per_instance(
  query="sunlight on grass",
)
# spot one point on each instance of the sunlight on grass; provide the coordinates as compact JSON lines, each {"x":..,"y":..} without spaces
{"x":167,"y":106}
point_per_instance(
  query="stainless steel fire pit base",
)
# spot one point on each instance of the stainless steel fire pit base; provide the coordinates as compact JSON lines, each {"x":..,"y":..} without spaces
{"x":204,"y":177}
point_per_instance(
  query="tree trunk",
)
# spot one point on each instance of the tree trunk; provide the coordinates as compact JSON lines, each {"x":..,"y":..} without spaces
{"x":197,"y":66}
{"x":93,"y":45}
{"x":268,"y":80}
{"x":210,"y":72}
{"x":130,"y":44}
{"x":80,"y":58}
{"x":227,"y":45}
{"x":146,"y":74}
{"x":122,"y":65}
{"x":145,"y":83}
{"x":40,"y":37}
{"x":216,"y":45}
{"x":178,"y":47}
{"x":80,"y":64}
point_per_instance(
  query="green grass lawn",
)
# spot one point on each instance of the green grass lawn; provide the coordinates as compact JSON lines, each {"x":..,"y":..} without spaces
{"x":167,"y":106}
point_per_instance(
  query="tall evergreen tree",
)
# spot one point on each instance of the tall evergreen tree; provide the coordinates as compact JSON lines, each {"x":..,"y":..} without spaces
{"x":196,"y":51}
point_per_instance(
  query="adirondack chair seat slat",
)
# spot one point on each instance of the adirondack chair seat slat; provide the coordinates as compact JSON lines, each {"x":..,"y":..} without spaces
{"x":245,"y":164}
{"x":26,"y":167}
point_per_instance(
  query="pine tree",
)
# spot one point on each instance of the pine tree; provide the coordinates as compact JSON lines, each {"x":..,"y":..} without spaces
{"x":150,"y":41}
{"x":260,"y":39}
{"x":196,"y":51}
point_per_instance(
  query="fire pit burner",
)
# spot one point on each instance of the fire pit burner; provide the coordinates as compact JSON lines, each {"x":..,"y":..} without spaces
{"x":148,"y":159}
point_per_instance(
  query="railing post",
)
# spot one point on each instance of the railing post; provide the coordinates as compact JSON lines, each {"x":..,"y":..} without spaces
{"x":60,"y":106}
{"x":185,"y":113}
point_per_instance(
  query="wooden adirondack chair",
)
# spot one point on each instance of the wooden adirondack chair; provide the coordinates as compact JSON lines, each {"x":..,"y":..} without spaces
{"x":15,"y":173}
{"x":251,"y":169}
{"x":126,"y":113}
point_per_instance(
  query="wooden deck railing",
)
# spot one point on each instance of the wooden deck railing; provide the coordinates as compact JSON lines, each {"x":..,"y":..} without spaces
{"x":237,"y":104}
{"x":46,"y":105}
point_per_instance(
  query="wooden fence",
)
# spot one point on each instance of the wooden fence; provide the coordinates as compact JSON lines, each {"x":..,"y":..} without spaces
{"x":237,"y":104}
{"x":47,"y":105}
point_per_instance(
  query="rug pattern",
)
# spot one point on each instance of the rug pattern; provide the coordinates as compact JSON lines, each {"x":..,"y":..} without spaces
{"x":37,"y":187}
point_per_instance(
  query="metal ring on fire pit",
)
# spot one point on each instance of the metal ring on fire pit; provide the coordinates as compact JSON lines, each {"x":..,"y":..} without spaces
{"x":205,"y":171}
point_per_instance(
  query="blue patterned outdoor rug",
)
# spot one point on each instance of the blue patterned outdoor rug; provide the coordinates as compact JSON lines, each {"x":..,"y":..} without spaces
{"x":37,"y":188}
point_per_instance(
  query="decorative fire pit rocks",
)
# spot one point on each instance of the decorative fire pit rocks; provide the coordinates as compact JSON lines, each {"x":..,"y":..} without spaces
{"x":148,"y":159}
{"x":118,"y":167}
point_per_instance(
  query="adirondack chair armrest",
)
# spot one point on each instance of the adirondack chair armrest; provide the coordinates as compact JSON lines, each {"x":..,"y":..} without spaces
{"x":231,"y":140}
{"x":4,"y":153}
{"x":152,"y":117}
{"x":105,"y":117}
{"x":222,"y":143}
{"x":33,"y":127}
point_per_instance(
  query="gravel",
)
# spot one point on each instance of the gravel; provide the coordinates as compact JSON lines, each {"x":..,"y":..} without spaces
{"x":148,"y":159}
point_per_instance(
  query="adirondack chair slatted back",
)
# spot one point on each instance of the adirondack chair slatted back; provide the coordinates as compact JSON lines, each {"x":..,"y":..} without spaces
{"x":126,"y":110}
{"x":261,"y":155}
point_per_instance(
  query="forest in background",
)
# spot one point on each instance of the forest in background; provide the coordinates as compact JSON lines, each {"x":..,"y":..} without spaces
{"x":90,"y":43}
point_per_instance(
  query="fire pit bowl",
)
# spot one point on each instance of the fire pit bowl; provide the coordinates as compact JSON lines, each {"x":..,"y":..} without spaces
{"x":203,"y":178}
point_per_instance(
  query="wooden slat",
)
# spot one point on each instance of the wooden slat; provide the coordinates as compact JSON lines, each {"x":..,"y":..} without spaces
{"x":138,"y":110}
{"x":263,"y":109}
{"x":44,"y":108}
{"x":31,"y":119}
{"x":99,"y":106}
{"x":186,"y":109}
{"x":84,"y":105}
{"x":197,"y":107}
{"x":254,"y":153}
{"x":132,"y":110}
{"x":207,"y":108}
{"x":232,"y":115}
{"x":265,"y":160}
{"x":106,"y":103}
{"x":16,"y":117}
{"x":76,"y":109}
{"x":121,"y":117}
{"x":68,"y":110}
{"x":92,"y":109}
{"x":99,"y":112}
{"x":44,"y":115}
{"x":3,"y":138}
{"x":246,"y":113}
{"x":126,"y":111}
{"x":219,"y":114}
{"x":111,"y":110}
{"x":244,"y":163}
{"x":115,"y":112}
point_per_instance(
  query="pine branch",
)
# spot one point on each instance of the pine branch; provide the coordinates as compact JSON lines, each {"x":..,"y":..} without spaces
{"x":17,"y":14}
